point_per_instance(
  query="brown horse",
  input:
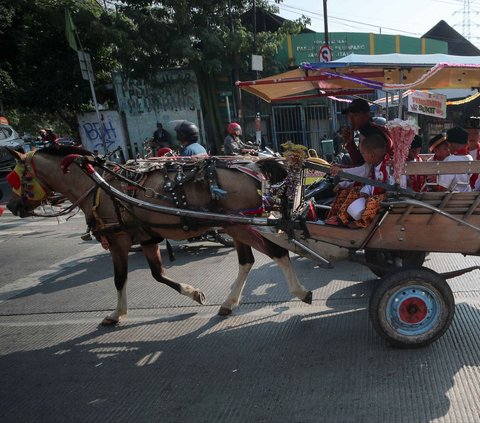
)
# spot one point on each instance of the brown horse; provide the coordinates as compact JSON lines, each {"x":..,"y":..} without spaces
{"x":121,"y":225}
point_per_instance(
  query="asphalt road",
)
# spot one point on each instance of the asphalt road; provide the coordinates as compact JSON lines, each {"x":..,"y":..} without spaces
{"x":274,"y":360}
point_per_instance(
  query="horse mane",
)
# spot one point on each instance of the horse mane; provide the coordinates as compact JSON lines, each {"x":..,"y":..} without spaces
{"x":64,"y":150}
{"x":273,"y":170}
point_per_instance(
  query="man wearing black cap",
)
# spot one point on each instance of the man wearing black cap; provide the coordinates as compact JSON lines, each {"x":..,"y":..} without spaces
{"x":472,"y":126}
{"x":457,"y":139}
{"x":359,"y":118}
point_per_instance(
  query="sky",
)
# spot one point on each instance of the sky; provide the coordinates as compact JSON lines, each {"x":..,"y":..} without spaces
{"x":403,"y":17}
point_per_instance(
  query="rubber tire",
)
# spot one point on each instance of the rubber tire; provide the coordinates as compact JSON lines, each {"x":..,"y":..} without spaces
{"x":403,"y":278}
{"x":378,"y":260}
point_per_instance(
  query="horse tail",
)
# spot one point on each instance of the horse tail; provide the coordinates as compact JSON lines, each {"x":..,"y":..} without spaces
{"x":272,"y":169}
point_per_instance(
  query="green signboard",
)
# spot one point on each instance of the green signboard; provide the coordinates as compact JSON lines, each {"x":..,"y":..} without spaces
{"x":304,"y":47}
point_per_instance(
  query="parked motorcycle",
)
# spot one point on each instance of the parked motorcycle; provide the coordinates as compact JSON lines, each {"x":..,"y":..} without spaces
{"x":214,"y":235}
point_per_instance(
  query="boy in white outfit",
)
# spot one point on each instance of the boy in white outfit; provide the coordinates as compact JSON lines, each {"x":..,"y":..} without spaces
{"x":457,"y":139}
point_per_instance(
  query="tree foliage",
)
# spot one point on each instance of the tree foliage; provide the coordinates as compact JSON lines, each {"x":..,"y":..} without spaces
{"x":40,"y":73}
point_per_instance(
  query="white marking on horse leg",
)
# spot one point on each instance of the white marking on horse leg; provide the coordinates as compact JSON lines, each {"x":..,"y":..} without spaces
{"x":191,"y":292}
{"x":121,"y":309}
{"x":294,"y":286}
{"x":234,"y":297}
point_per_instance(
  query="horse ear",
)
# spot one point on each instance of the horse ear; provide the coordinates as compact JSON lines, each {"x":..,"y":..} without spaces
{"x":16,"y":154}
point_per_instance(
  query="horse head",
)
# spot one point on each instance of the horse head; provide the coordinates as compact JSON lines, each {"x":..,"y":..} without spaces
{"x":27,"y":192}
{"x":30,"y":185}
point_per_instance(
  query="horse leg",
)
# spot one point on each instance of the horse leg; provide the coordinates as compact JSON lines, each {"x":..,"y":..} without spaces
{"x":294,"y":286}
{"x":154,"y":259}
{"x":245,"y":263}
{"x":279,"y":254}
{"x":119,"y":246}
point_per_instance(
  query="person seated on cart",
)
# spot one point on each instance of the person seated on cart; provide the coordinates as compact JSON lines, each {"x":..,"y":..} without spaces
{"x":360,"y":120}
{"x":415,"y":182}
{"x":472,"y":125}
{"x":357,"y":206}
{"x":457,"y":139}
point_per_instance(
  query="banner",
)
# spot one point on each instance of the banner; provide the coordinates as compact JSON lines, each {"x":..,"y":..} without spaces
{"x":428,"y":104}
{"x":70,"y":30}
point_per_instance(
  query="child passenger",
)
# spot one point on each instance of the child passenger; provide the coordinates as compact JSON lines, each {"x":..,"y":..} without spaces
{"x":457,"y":139}
{"x":355,"y":205}
{"x":416,"y":182}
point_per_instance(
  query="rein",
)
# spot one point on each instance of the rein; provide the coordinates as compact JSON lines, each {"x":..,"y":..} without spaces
{"x":69,"y":209}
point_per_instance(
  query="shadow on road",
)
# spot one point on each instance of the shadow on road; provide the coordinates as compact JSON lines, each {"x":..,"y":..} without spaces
{"x":315,"y":368}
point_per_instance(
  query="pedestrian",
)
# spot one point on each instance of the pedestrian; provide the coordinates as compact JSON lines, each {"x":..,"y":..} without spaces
{"x":161,"y":137}
{"x":47,"y":135}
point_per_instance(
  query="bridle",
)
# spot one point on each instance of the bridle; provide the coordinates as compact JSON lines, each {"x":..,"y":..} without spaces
{"x":30,"y":178}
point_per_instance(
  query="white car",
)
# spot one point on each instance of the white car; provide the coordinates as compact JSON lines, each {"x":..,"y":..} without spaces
{"x":8,"y":138}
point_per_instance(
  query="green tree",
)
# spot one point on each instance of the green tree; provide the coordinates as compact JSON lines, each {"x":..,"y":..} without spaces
{"x":40,"y":75}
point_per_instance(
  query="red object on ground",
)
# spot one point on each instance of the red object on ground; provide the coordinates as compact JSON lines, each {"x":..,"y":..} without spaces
{"x":2,"y":209}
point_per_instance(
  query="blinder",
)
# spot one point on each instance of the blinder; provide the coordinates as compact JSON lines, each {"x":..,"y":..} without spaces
{"x":23,"y":182}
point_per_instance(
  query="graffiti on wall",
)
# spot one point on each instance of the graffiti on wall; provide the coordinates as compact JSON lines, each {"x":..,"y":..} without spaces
{"x":90,"y":131}
{"x":173,"y":91}
{"x":172,"y":96}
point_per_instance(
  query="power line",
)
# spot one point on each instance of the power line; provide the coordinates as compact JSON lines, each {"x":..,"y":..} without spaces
{"x":312,"y":14}
{"x":298,"y":10}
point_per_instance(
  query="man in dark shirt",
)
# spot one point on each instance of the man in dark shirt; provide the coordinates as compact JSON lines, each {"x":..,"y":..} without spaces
{"x":360,"y":120}
{"x":161,"y":137}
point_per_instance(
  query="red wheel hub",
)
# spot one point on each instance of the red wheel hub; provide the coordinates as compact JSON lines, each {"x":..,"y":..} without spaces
{"x":413,"y":310}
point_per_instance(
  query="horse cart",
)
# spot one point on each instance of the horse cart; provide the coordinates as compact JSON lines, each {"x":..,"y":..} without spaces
{"x":411,"y":306}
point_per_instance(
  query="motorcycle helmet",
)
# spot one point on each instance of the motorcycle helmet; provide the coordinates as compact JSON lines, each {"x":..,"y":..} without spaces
{"x":187,"y":131}
{"x":379,"y":120}
{"x":163,"y":151}
{"x":232,"y":127}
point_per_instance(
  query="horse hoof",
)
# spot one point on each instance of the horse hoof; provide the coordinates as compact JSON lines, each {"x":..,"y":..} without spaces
{"x":224,"y":311}
{"x":308,"y":298}
{"x":110,"y":321}
{"x":199,"y":297}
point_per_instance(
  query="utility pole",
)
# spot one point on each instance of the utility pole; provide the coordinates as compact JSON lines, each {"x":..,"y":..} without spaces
{"x":258,"y":133}
{"x":325,"y":21}
{"x":236,"y":71}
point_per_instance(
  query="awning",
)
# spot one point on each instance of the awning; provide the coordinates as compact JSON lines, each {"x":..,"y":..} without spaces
{"x":355,"y":74}
{"x":292,"y":85}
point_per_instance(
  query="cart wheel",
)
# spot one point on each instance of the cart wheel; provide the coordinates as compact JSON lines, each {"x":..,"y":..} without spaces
{"x":381,"y":262}
{"x":411,"y":308}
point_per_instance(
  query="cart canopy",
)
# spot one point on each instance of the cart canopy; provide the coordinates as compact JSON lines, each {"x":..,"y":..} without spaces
{"x":355,"y":74}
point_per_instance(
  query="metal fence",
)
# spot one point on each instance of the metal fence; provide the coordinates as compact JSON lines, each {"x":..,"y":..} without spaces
{"x":301,"y":124}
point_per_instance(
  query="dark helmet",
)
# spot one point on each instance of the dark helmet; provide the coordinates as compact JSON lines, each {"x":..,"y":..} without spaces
{"x":187,"y":131}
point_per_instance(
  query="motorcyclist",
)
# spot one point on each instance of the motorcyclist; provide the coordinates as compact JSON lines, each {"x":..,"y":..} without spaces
{"x":187,"y":135}
{"x":232,"y":144}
